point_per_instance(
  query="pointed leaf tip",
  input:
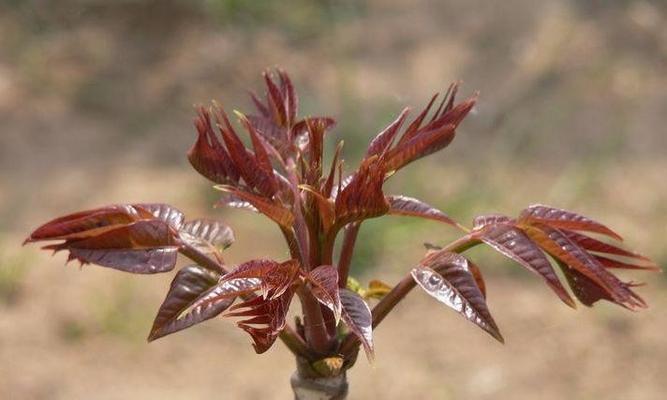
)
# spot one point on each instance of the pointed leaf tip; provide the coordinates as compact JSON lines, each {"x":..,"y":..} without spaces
{"x":447,"y":277}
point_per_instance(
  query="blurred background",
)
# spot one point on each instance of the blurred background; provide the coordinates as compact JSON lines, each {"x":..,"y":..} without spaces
{"x":96,"y":103}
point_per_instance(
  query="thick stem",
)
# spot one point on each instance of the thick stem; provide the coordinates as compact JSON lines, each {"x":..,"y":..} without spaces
{"x":307,"y":386}
{"x":314,"y":326}
{"x":349,"y":240}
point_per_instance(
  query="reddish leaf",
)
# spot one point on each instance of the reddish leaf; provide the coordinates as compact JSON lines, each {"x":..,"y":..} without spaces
{"x":362,"y":198}
{"x":145,"y":261}
{"x":328,"y":185}
{"x":420,"y":146}
{"x":276,"y":100}
{"x":247,"y":165}
{"x":557,"y":218}
{"x":208,"y":156}
{"x":384,"y":139}
{"x":281,"y":215}
{"x":275,"y":278}
{"x":324,"y":281}
{"x":143,"y":234}
{"x":189,"y":284}
{"x":514,"y":244}
{"x":323,"y":123}
{"x":613,"y":263}
{"x":598,"y":246}
{"x":266,"y":318}
{"x":404,"y":205}
{"x":588,"y":291}
{"x":325,"y":207}
{"x":264,"y":112}
{"x":142,"y":247}
{"x":561,"y":247}
{"x":164,"y":212}
{"x":274,"y":134}
{"x":449,"y":115}
{"x":229,"y":200}
{"x":207,"y":235}
{"x":414,"y":127}
{"x":477,"y":275}
{"x":291,"y":99}
{"x":261,"y":153}
{"x":209,"y":303}
{"x":357,"y":316}
{"x":447,"y":277}
{"x":88,"y":223}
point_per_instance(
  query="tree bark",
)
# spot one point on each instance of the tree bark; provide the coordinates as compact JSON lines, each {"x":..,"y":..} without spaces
{"x":308,"y":386}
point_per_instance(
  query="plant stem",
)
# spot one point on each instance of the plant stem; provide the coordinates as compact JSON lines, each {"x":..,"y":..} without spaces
{"x":314,"y":326}
{"x":349,"y":240}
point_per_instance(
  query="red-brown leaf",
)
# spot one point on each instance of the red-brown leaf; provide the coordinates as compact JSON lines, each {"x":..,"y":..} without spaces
{"x":325,"y":207}
{"x":274,"y":134}
{"x":358,"y":318}
{"x":207,"y":235}
{"x":276,"y":100}
{"x":561,"y":247}
{"x":409,"y":206}
{"x":261,"y":153}
{"x":447,"y":277}
{"x":188,"y":284}
{"x":420,"y":146}
{"x":324,"y":281}
{"x":588,"y":291}
{"x":591,"y":244}
{"x":617,"y":264}
{"x":247,"y":165}
{"x":142,"y":247}
{"x":164,"y":212}
{"x":142,"y":261}
{"x":208,"y":156}
{"x":362,"y":198}
{"x":514,"y":244}
{"x":143,"y":234}
{"x":266,"y":318}
{"x":88,"y":223}
{"x":384,"y":139}
{"x":281,"y":215}
{"x":563,"y":219}
{"x":208,"y":304}
{"x":291,"y":99}
{"x":275,"y":278}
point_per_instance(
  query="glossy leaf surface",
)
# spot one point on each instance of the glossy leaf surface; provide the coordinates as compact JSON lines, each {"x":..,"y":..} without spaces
{"x":207,"y":235}
{"x":447,"y":277}
{"x":188,"y":285}
{"x":409,"y":206}
{"x":324,"y":281}
{"x":561,"y":247}
{"x":266,"y":318}
{"x":142,"y":247}
{"x":357,"y":316}
{"x":514,"y":244}
{"x":557,"y":218}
